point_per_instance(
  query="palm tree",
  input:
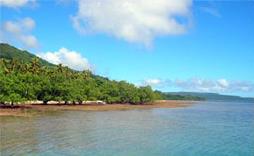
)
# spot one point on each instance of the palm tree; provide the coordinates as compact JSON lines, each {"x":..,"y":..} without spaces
{"x":13,"y":64}
{"x":25,"y":68}
{"x":60,"y":68}
{"x":86,"y":74}
{"x":35,"y":65}
{"x":6,"y":66}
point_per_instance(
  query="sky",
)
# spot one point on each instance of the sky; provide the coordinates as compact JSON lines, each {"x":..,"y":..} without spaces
{"x":172,"y":45}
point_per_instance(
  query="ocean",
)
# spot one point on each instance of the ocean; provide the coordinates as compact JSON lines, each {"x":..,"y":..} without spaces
{"x":203,"y":129}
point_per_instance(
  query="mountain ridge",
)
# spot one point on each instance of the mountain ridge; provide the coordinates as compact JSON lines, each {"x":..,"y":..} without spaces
{"x":215,"y":96}
{"x":10,"y":52}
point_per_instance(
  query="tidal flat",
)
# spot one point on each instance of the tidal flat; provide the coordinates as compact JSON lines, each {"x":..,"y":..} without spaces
{"x":37,"y":109}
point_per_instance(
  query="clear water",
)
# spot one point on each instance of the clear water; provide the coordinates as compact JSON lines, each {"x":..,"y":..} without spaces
{"x":205,"y":129}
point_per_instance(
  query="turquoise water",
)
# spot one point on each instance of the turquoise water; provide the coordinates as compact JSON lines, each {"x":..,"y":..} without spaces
{"x":205,"y":129}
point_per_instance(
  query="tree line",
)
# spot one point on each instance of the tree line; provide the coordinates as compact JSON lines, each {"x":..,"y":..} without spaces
{"x":21,"y":82}
{"x":170,"y":96}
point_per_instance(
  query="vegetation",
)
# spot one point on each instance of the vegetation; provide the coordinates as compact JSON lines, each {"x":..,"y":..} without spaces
{"x":215,"y":96}
{"x":169,"y":96}
{"x":31,"y":81}
{"x":25,"y":77}
{"x":9,"y":52}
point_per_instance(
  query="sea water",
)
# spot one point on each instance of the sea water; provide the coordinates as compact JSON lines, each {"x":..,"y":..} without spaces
{"x":204,"y":129}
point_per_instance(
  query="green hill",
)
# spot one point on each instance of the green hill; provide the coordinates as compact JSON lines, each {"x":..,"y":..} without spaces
{"x":27,"y":77}
{"x":9,"y":52}
{"x":215,"y":96}
{"x":169,"y":96}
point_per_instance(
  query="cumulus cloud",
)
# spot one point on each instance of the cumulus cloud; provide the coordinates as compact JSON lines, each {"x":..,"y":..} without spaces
{"x":133,"y":21}
{"x":68,"y":58}
{"x":156,"y":83}
{"x":15,"y":3}
{"x":152,"y":82}
{"x":203,"y":85}
{"x":19,"y":31}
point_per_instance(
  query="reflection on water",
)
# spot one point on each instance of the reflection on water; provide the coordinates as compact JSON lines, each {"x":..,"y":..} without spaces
{"x":204,"y":129}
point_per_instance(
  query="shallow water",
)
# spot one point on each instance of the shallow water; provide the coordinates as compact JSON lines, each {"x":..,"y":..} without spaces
{"x":205,"y":129}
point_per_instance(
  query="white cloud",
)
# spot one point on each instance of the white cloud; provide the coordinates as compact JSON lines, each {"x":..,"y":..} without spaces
{"x":68,"y":58}
{"x":134,"y":21}
{"x":11,"y":27}
{"x":28,"y":23}
{"x":202,"y":85}
{"x":223,"y":83}
{"x":20,"y":31}
{"x":152,"y":82}
{"x":29,"y":40}
{"x":15,"y":3}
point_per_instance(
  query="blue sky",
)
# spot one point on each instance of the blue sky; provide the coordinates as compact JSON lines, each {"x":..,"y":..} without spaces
{"x":209,"y":48}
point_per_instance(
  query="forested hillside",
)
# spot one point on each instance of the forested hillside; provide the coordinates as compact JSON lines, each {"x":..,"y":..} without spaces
{"x":25,"y":77}
{"x":169,"y":96}
{"x":9,"y":52}
{"x":214,"y":96}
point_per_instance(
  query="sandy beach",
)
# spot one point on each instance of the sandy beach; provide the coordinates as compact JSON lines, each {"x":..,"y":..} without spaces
{"x":36,"y":109}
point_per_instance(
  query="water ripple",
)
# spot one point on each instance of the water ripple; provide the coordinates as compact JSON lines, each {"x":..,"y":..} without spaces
{"x":206,"y":129}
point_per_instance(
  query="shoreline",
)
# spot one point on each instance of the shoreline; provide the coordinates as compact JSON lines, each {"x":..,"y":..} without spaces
{"x":27,"y":110}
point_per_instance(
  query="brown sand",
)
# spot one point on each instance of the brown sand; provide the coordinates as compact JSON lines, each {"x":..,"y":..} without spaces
{"x":35,"y":109}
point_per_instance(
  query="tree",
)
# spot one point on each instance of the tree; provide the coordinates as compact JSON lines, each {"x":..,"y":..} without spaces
{"x":30,"y":81}
{"x":35,"y":66}
{"x":10,"y":89}
{"x":146,"y":94}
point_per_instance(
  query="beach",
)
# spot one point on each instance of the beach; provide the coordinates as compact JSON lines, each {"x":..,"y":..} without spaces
{"x":37,"y":109}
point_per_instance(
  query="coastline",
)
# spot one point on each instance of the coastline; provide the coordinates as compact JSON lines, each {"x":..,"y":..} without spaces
{"x":37,"y":109}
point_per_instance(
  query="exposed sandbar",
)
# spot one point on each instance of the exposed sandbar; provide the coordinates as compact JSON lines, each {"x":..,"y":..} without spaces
{"x":34,"y":109}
